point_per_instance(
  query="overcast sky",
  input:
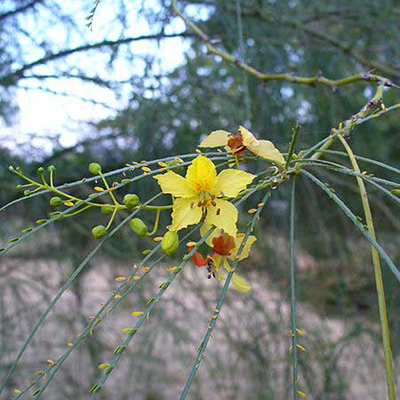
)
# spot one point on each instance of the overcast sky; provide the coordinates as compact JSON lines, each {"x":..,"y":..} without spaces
{"x":47,"y":114}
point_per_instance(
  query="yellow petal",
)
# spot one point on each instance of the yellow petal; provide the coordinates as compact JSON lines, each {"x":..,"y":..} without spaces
{"x":226,"y":265}
{"x":247,"y":137}
{"x":201,"y":174}
{"x":226,"y":218}
{"x":216,"y":139}
{"x":247,"y":247}
{"x":217,"y":266}
{"x":175,"y":184}
{"x":214,"y":234}
{"x":267,"y":149}
{"x":240,"y":283}
{"x":185,"y":212}
{"x":232,"y":181}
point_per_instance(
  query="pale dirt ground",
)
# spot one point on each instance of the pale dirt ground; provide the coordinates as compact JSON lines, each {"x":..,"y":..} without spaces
{"x":248,"y":357}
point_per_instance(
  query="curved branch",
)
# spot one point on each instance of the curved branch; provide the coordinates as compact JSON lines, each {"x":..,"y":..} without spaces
{"x":11,"y":78}
{"x":318,"y":79}
{"x":20,"y":9}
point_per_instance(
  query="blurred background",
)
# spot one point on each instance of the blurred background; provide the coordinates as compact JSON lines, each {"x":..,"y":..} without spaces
{"x":136,"y":84}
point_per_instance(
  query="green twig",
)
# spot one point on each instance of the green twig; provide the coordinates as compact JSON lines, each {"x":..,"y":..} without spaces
{"x":295,"y":135}
{"x":378,"y":278}
{"x":220,"y":303}
{"x":293,"y":293}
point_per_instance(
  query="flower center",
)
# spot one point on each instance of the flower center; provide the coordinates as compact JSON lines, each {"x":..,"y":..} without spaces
{"x":224,"y":244}
{"x":235,"y":142}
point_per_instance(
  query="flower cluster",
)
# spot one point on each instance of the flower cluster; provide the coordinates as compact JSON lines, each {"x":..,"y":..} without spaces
{"x":204,"y":196}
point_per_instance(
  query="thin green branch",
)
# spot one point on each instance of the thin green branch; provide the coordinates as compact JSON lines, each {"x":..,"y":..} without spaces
{"x":220,"y":302}
{"x":295,"y":135}
{"x":318,"y":79}
{"x":355,"y":221}
{"x":62,"y":290}
{"x":103,"y":312}
{"x":378,"y":278}
{"x":365,"y":159}
{"x":293,"y":294}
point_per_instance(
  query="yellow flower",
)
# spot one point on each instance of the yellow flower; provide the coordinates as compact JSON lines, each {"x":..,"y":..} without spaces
{"x":225,"y":248}
{"x":198,"y":195}
{"x":243,"y":140}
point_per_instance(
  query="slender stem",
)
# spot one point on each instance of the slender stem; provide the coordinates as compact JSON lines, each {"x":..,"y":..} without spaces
{"x":348,"y":125}
{"x":220,"y":303}
{"x":169,"y":207}
{"x":378,"y":277}
{"x":78,"y":211}
{"x":296,"y":131}
{"x":108,"y":189}
{"x":264,"y":77}
{"x":237,"y":162}
{"x":293,"y":293}
{"x":155,"y":224}
{"x":355,"y":221}
{"x":112,"y":217}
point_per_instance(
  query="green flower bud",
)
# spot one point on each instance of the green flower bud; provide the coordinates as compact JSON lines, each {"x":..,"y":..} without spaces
{"x":93,"y":196}
{"x":107,"y":210}
{"x":131,"y":200}
{"x":51,"y":168}
{"x":55,"y":202}
{"x":170,"y":242}
{"x":40,"y":170}
{"x":27,"y":192}
{"x":94,"y":168}
{"x":99,"y":231}
{"x":138,"y":226}
{"x":125,"y":181}
{"x":11,"y":168}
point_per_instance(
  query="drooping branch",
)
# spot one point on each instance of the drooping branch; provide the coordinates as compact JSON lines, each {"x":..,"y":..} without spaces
{"x":20,"y":9}
{"x":11,"y":78}
{"x":264,"y":77}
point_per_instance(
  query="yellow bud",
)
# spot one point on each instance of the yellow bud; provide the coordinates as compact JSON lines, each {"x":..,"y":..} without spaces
{"x":104,"y":365}
{"x":137,"y":313}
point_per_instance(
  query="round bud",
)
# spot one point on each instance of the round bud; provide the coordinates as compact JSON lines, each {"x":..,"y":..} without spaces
{"x":99,"y":231}
{"x":94,"y":168}
{"x":27,"y":192}
{"x":11,"y":168}
{"x":131,"y":200}
{"x":51,"y":168}
{"x":55,"y":202}
{"x":107,"y":210}
{"x":170,"y":242}
{"x":40,"y":170}
{"x":138,"y":226}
